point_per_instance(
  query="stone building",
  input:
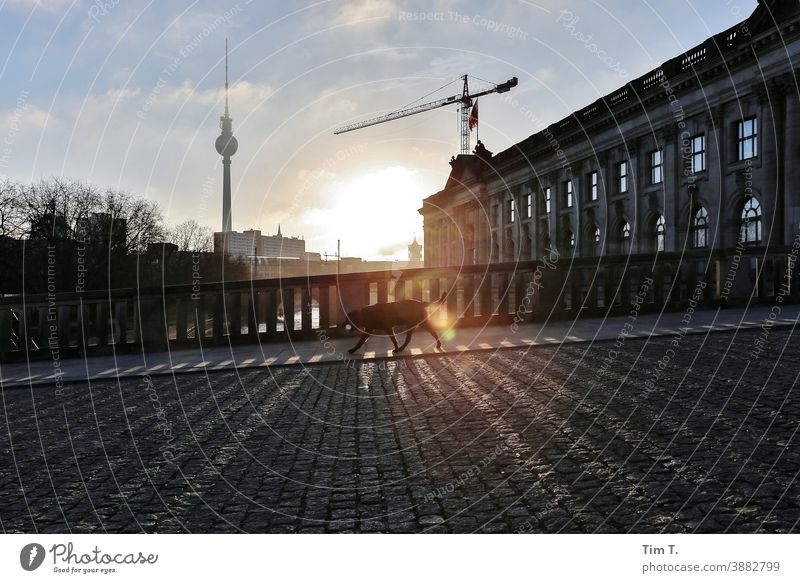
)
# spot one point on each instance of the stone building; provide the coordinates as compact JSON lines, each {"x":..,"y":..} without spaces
{"x":700,"y":153}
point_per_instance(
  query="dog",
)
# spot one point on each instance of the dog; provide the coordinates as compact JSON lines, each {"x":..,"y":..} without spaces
{"x":410,"y":314}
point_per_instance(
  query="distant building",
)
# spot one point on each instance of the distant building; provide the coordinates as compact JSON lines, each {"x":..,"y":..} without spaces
{"x":415,"y":254}
{"x":49,"y":226}
{"x":252,"y":243}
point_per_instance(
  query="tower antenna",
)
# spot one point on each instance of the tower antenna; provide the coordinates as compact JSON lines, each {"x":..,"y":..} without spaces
{"x":226,"y":76}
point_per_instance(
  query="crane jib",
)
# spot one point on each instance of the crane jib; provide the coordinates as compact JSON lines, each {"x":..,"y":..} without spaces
{"x":465,"y":100}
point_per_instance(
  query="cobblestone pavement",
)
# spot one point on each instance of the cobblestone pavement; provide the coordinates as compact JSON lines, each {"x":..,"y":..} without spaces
{"x":567,"y":438}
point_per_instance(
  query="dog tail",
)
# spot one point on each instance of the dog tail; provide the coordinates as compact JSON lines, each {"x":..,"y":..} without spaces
{"x":440,"y":300}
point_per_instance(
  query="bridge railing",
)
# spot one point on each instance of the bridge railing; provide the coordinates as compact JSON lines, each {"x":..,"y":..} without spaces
{"x":73,"y":324}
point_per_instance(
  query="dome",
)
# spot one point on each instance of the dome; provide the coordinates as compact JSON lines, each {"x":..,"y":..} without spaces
{"x":227,"y":145}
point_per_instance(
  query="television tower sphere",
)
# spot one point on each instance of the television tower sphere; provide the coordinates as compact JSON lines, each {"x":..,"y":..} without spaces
{"x":226,"y":145}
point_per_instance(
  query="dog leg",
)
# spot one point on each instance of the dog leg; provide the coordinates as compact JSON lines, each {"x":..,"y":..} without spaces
{"x":426,"y":325}
{"x":409,"y":334}
{"x":394,"y":340}
{"x":360,"y":343}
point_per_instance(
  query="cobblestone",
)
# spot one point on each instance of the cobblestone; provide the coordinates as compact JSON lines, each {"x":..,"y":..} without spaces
{"x":517,"y":440}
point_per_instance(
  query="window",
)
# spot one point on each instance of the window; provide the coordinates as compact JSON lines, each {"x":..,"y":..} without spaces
{"x":751,"y":221}
{"x":700,"y":229}
{"x":596,"y":241}
{"x":622,"y":174}
{"x":660,"y":233}
{"x":698,"y":154}
{"x":748,"y":138}
{"x":568,"y":194}
{"x":571,"y":240}
{"x":512,"y":210}
{"x":657,"y":167}
{"x":593,"y":192}
{"x":625,"y":235}
{"x":528,"y":205}
{"x":547,"y":200}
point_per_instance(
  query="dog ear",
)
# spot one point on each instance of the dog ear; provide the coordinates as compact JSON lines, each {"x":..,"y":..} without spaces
{"x":351,"y":320}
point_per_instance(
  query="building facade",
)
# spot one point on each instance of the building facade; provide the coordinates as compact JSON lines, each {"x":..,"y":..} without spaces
{"x":701,"y":153}
{"x":252,"y":243}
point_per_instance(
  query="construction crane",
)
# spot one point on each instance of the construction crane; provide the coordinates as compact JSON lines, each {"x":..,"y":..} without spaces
{"x":465,"y":101}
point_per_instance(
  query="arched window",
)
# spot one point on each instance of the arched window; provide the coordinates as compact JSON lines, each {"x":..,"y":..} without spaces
{"x":571,"y":239}
{"x":751,"y":221}
{"x":660,"y":233}
{"x":700,"y":229}
{"x":596,"y":240}
{"x":625,"y":236}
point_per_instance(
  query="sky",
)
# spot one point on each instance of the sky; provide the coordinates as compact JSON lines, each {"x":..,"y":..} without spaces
{"x":127,"y":94}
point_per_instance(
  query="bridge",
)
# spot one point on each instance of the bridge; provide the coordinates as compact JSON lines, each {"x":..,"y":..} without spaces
{"x":634,"y":394}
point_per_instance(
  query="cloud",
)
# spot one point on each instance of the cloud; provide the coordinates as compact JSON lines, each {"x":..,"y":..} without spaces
{"x":116,"y":95}
{"x":25,"y":117}
{"x":46,"y":5}
{"x":240,"y":92}
{"x":366,"y":11}
{"x":393,"y":249}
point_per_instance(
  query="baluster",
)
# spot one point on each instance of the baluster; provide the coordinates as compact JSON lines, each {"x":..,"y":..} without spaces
{"x":64,"y":326}
{"x":120,"y":328}
{"x":272,"y":311}
{"x":288,"y":309}
{"x":44,"y":328}
{"x":5,"y":332}
{"x":306,"y":307}
{"x":400,"y":289}
{"x":383,"y":291}
{"x":28,"y":327}
{"x":434,"y":289}
{"x":503,"y":290}
{"x":522,"y":298}
{"x":469,"y":312}
{"x":218,"y":317}
{"x":181,"y":319}
{"x":416,"y":289}
{"x":324,"y":302}
{"x":251,"y":301}
{"x":102,"y":317}
{"x":452,"y":301}
{"x":85,"y":327}
{"x":486,"y":305}
{"x":199,"y":317}
{"x":235,"y":315}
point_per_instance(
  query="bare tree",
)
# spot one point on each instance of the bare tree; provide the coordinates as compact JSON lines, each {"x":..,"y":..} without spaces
{"x":56,"y":209}
{"x":12,"y":217}
{"x":191,"y":236}
{"x":136,"y":221}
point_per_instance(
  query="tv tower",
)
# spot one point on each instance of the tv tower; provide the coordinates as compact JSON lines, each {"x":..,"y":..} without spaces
{"x":226,"y":146}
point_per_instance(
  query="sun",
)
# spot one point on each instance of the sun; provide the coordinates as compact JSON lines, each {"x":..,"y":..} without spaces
{"x":374,"y":213}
